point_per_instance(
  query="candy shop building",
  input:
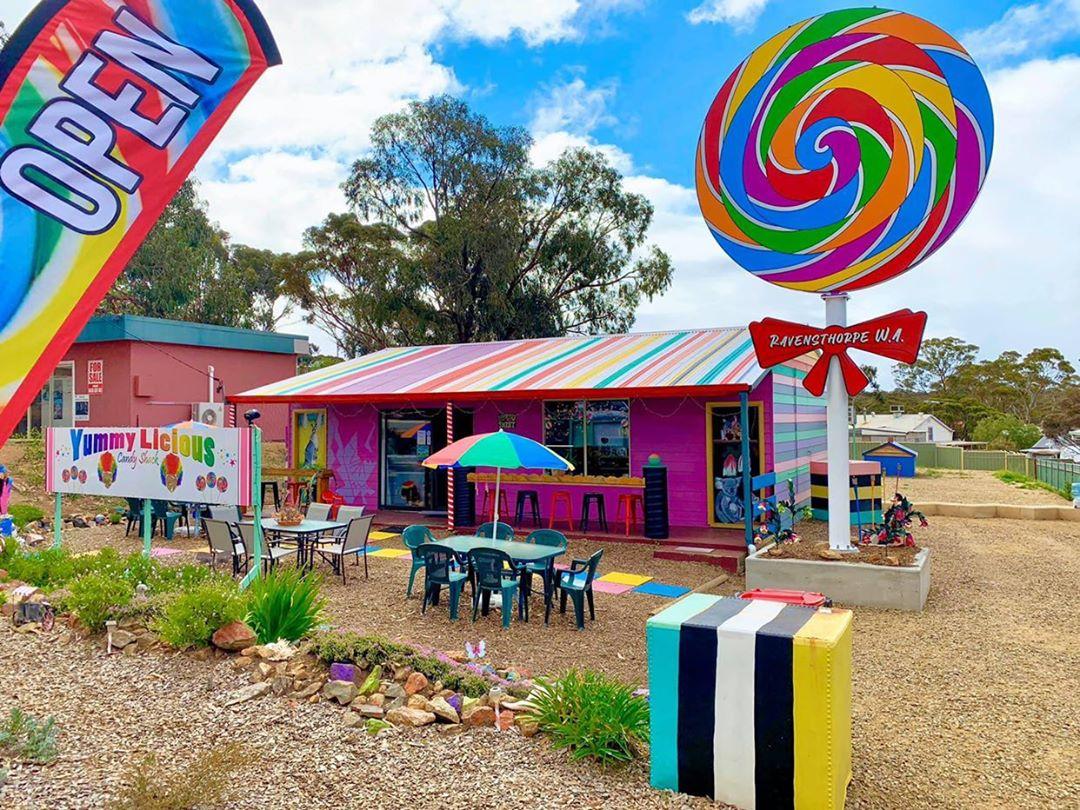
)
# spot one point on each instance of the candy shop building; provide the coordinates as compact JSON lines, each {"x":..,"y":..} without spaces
{"x":695,"y":404}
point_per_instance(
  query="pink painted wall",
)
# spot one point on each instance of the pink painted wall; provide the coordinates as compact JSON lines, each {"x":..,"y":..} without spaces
{"x":673,"y":428}
{"x":138,"y":375}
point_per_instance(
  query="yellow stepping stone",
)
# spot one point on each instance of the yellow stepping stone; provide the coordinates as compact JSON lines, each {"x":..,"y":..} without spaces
{"x":383,"y":535}
{"x":389,"y":552}
{"x":622,"y":578}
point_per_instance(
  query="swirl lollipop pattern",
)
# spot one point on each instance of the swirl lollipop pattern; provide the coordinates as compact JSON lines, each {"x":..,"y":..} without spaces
{"x":844,"y":150}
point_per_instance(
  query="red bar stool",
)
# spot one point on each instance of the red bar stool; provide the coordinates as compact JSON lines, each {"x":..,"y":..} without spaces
{"x":628,"y":505}
{"x":561,"y":497}
{"x":489,"y":504}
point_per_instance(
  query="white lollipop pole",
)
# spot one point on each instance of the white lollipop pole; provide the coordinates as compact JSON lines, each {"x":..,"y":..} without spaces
{"x":837,"y":435}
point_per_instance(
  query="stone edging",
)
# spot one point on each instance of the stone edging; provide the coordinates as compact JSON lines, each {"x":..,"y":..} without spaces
{"x":1000,"y":510}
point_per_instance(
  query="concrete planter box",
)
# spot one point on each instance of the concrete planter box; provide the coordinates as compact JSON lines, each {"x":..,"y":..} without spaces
{"x":860,"y":584}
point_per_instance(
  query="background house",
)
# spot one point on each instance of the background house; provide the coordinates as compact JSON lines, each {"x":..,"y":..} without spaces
{"x":903,"y":427}
{"x":131,"y":370}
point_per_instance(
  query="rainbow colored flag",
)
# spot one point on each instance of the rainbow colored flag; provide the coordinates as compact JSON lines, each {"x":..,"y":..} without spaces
{"x":105,"y":107}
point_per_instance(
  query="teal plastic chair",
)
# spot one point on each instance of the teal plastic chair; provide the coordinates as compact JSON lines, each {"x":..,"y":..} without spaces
{"x":160,"y":513}
{"x":493,"y":571}
{"x":576,"y":582}
{"x":502,"y":531}
{"x":439,"y":573}
{"x":414,"y":537}
{"x":545,"y":569}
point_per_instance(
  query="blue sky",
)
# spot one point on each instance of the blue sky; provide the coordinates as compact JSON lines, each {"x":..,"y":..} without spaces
{"x":634,"y":78}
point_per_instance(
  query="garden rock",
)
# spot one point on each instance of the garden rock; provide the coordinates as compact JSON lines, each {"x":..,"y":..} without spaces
{"x":394,"y":690}
{"x":344,"y":692}
{"x":281,"y":684}
{"x":309,"y":690}
{"x":246,"y":693}
{"x":372,"y":682}
{"x":378,"y":699}
{"x":233,"y":637}
{"x":527,"y":725}
{"x":121,"y":639}
{"x":369,"y":711}
{"x":444,"y":711}
{"x":418,"y":702}
{"x":416,"y":682}
{"x":478,"y":716}
{"x":280,"y":650}
{"x":342,"y":672}
{"x":414,"y":718}
{"x":504,"y":721}
{"x":354,"y":720}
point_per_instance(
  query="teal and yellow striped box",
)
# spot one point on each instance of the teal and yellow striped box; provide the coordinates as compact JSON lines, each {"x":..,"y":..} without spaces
{"x":751,"y":702}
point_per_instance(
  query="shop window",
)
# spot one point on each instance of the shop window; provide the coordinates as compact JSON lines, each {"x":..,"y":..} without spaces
{"x":594,"y":435}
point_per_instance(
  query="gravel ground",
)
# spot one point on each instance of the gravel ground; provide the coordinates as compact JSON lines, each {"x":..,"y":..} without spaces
{"x":968,"y":486}
{"x":971,"y":703}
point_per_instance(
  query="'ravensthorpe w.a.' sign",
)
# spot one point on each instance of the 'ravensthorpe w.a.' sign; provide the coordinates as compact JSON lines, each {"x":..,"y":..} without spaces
{"x":171,"y":464}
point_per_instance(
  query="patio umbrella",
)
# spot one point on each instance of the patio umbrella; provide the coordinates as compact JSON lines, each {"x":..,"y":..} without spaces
{"x":500,"y":450}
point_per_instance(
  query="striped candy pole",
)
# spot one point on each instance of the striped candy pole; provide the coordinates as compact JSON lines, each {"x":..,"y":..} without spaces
{"x":450,"y":470}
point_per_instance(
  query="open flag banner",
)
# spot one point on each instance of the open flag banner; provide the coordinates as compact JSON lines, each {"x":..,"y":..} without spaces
{"x":105,"y":107}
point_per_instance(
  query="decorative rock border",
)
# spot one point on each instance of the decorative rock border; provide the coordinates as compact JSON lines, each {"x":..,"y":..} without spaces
{"x":881,"y":586}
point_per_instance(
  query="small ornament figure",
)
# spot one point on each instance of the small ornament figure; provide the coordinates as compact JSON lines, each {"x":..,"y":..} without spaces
{"x":896,"y":527}
{"x":6,"y":485}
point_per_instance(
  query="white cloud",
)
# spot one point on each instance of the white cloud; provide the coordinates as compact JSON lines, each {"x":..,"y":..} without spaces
{"x":564,"y":117}
{"x":740,"y":14}
{"x":1024,"y":30}
{"x":1008,"y":279}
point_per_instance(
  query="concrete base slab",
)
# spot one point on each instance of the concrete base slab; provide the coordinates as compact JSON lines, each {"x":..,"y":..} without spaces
{"x":1001,"y":510}
{"x":846,"y":583}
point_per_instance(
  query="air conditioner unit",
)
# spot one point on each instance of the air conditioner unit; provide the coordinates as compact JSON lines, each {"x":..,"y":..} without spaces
{"x":209,"y":413}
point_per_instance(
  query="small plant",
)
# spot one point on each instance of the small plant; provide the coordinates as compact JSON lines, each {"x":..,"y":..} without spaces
{"x":592,"y":715}
{"x":97,"y":597}
{"x":189,"y":618}
{"x":24,"y":513}
{"x":24,"y":738}
{"x":207,"y":782}
{"x":284,"y":604}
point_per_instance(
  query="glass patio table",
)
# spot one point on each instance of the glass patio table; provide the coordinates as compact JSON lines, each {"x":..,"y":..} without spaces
{"x":307,"y":534}
{"x":520,"y":553}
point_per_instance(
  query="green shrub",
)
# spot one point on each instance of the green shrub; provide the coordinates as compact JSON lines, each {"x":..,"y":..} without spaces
{"x":189,"y":618}
{"x":97,"y":597}
{"x":24,"y":513}
{"x":284,"y":604}
{"x":24,"y":738}
{"x":1027,"y":482}
{"x":592,"y":715}
{"x":45,"y":569}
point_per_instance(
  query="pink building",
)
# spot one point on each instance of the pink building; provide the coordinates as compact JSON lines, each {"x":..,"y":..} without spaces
{"x":131,"y":370}
{"x":696,"y":399}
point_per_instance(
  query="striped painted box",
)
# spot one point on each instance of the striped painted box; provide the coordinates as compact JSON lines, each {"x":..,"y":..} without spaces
{"x":751,"y":702}
{"x":864,"y":494}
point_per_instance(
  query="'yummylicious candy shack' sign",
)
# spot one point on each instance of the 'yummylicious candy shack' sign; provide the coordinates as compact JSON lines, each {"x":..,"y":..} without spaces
{"x":173,"y":464}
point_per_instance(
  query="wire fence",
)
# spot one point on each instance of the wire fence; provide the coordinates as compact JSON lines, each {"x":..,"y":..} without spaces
{"x":1055,"y":472}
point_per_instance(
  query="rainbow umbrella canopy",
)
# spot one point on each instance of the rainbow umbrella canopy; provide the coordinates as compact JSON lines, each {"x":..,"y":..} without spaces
{"x":503,"y":451}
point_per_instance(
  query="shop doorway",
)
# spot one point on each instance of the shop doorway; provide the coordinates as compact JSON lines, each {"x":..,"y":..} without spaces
{"x":407,"y":437}
{"x":725,"y":460}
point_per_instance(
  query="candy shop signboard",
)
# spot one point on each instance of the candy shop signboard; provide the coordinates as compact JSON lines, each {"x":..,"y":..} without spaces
{"x":169,"y":464}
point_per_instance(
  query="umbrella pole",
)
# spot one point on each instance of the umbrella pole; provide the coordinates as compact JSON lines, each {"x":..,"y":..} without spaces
{"x":495,"y":523}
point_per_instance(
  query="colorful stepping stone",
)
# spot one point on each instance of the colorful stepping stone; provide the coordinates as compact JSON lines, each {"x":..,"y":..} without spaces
{"x":383,"y":535}
{"x":655,"y":588}
{"x":165,"y":552}
{"x":622,"y":578}
{"x":391,"y":552}
{"x":600,"y":586}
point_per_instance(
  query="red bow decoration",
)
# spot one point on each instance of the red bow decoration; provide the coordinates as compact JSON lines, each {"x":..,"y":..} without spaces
{"x":897,"y":336}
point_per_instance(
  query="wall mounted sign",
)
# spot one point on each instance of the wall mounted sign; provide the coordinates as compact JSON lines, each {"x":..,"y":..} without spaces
{"x":105,"y":107}
{"x":95,"y":377}
{"x":507,"y":421}
{"x":82,"y":407}
{"x":199,"y":465}
{"x":896,"y":336}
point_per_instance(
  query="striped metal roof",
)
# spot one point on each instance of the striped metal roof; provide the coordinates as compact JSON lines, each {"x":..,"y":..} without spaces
{"x":650,"y":363}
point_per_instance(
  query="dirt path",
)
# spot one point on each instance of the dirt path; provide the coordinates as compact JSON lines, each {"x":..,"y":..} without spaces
{"x":969,"y":486}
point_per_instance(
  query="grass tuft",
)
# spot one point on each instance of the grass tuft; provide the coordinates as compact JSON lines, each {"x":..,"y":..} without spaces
{"x":284,"y":604}
{"x":208,"y":781}
{"x":27,"y":739}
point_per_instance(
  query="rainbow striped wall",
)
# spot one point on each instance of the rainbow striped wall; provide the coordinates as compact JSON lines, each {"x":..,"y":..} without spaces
{"x":798,"y":425}
{"x":751,"y":702}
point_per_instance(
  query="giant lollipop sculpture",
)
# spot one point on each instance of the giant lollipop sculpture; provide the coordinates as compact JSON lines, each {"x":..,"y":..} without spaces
{"x":841,"y":153}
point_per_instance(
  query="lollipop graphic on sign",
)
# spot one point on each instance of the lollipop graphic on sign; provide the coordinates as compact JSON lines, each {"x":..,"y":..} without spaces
{"x":845,"y":150}
{"x":106,"y":469}
{"x":172,"y":472}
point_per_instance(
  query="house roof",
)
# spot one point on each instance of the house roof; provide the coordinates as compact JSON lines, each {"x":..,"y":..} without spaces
{"x":106,"y":328}
{"x":896,"y":423}
{"x":702,"y":362}
{"x":890,"y":448}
